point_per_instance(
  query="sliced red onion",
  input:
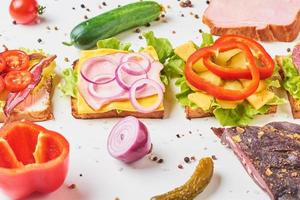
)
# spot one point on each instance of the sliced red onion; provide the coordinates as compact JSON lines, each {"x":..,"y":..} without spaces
{"x":92,"y":62}
{"x":125,"y":79}
{"x":92,"y":88}
{"x":296,"y":56}
{"x":129,"y":140}
{"x":135,"y":103}
{"x":139,"y":58}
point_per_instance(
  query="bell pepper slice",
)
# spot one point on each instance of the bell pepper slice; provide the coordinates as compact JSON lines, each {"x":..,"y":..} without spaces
{"x":266,"y":70}
{"x":32,"y":159}
{"x":219,"y":92}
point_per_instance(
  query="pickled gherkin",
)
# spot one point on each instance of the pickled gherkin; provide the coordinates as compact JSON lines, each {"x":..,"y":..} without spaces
{"x":194,"y":186}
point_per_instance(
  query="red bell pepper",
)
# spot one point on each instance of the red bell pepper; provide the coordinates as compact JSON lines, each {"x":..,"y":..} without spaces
{"x":32,"y":159}
{"x":219,"y":92}
{"x":267,"y":63}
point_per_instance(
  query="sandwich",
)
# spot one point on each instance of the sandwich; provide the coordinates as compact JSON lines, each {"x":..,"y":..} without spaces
{"x":290,"y":66}
{"x":233,"y":79}
{"x":113,"y":81}
{"x":26,"y":84}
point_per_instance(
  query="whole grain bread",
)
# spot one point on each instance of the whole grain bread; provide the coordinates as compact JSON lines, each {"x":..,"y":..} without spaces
{"x":112,"y":113}
{"x":294,"y":103}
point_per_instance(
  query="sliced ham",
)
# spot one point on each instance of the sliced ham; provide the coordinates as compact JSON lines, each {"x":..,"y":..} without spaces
{"x":112,"y":92}
{"x":266,"y":20}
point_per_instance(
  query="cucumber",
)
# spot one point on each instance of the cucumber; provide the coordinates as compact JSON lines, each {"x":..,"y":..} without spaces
{"x":86,"y":34}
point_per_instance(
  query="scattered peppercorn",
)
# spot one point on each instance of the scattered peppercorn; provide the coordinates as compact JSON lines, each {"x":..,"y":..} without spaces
{"x":104,"y":3}
{"x":39,"y":40}
{"x":190,"y":132}
{"x":85,"y":17}
{"x":48,"y":28}
{"x":66,"y":59}
{"x":160,"y":161}
{"x":180,"y":166}
{"x":137,"y":30}
{"x":56,"y":28}
{"x":186,"y":159}
{"x":178,"y":136}
{"x":119,"y":6}
{"x":197,"y":16}
{"x":288,"y":49}
{"x":140,"y":37}
{"x":214,"y":157}
{"x":174,"y":32}
{"x":73,"y":8}
{"x":207,"y":1}
{"x":88,"y":10}
{"x":186,"y":3}
{"x":193,"y":158}
{"x":80,"y":175}
{"x":72,"y":186}
{"x":148,"y":24}
{"x":182,"y":15}
{"x":200,"y":31}
{"x":14,"y":22}
{"x":163,"y":15}
{"x":82,"y":6}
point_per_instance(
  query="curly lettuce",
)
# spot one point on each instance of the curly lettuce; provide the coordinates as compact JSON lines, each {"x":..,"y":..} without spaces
{"x":291,"y":80}
{"x":69,"y":84}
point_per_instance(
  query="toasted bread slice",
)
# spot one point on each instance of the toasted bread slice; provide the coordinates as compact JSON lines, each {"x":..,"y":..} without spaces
{"x":295,"y":104}
{"x":113,"y":113}
{"x":39,"y":110}
{"x":199,"y":113}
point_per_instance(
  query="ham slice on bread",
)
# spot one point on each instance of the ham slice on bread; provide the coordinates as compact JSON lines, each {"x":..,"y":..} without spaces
{"x":267,"y":20}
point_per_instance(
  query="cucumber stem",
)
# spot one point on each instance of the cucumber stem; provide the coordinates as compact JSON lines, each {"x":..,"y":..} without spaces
{"x":68,"y":43}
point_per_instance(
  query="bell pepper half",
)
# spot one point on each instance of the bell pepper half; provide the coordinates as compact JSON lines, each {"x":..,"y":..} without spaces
{"x":32,"y":159}
{"x":219,"y":92}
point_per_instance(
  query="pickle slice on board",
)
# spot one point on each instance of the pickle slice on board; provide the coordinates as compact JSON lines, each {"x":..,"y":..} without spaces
{"x":194,"y":186}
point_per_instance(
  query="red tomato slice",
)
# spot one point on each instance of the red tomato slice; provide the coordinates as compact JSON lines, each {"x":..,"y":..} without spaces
{"x":2,"y":84}
{"x":16,"y":60}
{"x":2,"y":63}
{"x":16,"y":81}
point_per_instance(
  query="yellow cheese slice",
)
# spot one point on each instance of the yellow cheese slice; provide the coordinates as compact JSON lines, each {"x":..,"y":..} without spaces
{"x":84,"y":108}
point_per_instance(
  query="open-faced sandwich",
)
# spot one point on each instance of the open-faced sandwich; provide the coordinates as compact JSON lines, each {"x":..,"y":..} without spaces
{"x":25,"y":85}
{"x":233,"y":79}
{"x":113,"y":81}
{"x":290,"y":66}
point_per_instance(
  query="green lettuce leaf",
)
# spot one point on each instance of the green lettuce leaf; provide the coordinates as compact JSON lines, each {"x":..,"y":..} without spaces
{"x":185,"y":90}
{"x":174,"y":66}
{"x":69,"y":84}
{"x":113,"y":43}
{"x":162,"y":46}
{"x":207,"y":40}
{"x":291,"y":80}
{"x":239,"y":116}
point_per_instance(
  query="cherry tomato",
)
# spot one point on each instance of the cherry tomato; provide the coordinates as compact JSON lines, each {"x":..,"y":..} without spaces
{"x":16,"y":81}
{"x":24,"y":11}
{"x":2,"y":63}
{"x":16,"y":60}
{"x":2,"y":84}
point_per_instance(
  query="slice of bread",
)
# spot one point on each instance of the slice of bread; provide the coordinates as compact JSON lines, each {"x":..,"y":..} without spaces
{"x":37,"y":108}
{"x":113,"y":113}
{"x":295,"y":104}
{"x":199,"y":113}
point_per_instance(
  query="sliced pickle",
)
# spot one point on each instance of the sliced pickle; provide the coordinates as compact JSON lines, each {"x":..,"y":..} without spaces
{"x":194,"y":186}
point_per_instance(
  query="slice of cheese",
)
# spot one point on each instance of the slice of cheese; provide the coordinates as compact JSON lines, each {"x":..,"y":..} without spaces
{"x":84,"y":108}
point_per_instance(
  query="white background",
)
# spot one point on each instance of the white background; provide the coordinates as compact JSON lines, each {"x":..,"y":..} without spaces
{"x":104,"y":178}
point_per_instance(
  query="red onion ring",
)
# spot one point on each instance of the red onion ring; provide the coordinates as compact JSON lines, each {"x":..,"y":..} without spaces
{"x":101,"y":78}
{"x":129,"y":140}
{"x":135,"y":103}
{"x":86,"y":65}
{"x":143,"y":60}
{"x":138,"y":75}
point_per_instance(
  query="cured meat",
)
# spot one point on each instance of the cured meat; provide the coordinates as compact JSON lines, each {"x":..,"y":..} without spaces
{"x":296,"y":56}
{"x":267,"y":20}
{"x":270,"y":155}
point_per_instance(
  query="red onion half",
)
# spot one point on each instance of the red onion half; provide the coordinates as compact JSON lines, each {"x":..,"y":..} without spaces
{"x":129,"y":140}
{"x":134,"y":101}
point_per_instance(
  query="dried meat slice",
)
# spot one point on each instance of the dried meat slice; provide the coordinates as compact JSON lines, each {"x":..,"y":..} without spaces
{"x":270,"y":155}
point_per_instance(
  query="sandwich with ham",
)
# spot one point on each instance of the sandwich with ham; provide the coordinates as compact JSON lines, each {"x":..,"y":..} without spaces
{"x":233,"y":79}
{"x":113,"y":81}
{"x":290,"y":66}
{"x":26,"y":85}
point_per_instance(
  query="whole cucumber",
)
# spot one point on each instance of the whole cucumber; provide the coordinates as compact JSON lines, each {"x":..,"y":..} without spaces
{"x":86,"y":34}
